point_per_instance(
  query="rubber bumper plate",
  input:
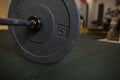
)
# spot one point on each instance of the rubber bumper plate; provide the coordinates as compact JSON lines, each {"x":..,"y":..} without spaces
{"x":57,"y":35}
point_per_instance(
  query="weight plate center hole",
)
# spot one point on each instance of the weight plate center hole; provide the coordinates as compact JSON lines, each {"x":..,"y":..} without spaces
{"x":36,"y":23}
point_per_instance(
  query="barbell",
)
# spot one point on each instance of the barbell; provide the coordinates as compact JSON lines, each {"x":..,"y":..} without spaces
{"x":44,"y":31}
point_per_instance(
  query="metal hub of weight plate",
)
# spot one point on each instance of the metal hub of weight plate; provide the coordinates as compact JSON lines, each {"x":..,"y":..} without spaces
{"x":57,"y":34}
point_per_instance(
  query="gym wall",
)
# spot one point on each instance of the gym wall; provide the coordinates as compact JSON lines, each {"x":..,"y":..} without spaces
{"x":3,"y":12}
{"x":107,"y":4}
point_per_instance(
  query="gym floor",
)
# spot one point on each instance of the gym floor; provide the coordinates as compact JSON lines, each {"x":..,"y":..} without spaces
{"x":89,"y":60}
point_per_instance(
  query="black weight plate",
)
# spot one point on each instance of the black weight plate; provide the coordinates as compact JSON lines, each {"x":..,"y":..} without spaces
{"x":58,"y":33}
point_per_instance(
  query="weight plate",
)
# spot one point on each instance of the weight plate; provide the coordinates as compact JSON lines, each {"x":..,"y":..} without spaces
{"x":58,"y":33}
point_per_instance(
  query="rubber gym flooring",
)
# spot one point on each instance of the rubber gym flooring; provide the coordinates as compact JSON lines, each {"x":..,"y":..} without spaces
{"x":89,"y":60}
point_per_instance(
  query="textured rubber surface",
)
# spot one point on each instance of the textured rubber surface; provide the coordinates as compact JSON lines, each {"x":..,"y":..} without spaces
{"x":89,"y":60}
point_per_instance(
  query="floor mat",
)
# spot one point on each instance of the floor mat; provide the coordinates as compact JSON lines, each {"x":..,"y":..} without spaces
{"x":109,"y":41}
{"x":89,"y":60}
